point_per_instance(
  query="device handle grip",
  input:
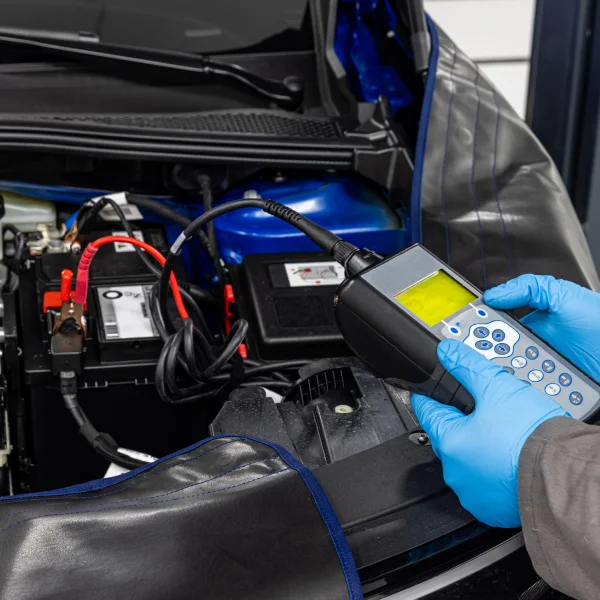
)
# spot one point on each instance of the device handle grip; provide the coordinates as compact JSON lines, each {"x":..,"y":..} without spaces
{"x":440,"y":386}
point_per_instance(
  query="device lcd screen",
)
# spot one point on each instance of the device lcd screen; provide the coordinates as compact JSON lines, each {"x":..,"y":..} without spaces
{"x":435,"y":298}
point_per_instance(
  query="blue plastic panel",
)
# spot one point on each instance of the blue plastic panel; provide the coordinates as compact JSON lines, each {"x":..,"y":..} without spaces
{"x":344,"y":206}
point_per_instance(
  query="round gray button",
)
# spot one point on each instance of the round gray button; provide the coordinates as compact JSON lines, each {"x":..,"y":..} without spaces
{"x":502,"y":349}
{"x":548,"y":366}
{"x":483,"y":345}
{"x":518,"y":362}
{"x":565,"y":380}
{"x":532,"y":353}
{"x":509,"y":370}
{"x":498,"y":335}
{"x":481,"y":332}
{"x":575,"y":398}
{"x":536,"y":376}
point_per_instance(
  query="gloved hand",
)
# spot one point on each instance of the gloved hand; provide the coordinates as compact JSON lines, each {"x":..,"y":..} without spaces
{"x":480,"y":452}
{"x":568,"y":316}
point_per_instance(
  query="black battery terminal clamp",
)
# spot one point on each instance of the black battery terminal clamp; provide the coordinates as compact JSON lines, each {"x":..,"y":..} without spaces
{"x":69,"y":328}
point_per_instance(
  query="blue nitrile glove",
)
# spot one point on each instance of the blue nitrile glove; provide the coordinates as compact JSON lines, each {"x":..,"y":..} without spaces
{"x":480,"y":452}
{"x":568,"y":316}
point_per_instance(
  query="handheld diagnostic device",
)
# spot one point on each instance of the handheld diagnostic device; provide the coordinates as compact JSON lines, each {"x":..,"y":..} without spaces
{"x":394,"y":313}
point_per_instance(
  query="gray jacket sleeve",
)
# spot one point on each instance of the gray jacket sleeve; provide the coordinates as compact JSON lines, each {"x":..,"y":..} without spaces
{"x":559,"y":501}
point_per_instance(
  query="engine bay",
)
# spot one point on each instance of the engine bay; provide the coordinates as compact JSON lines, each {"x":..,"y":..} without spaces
{"x":97,"y":391}
{"x":135,"y":330}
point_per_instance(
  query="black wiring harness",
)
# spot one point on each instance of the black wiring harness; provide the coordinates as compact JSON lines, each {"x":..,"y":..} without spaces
{"x":190,"y":368}
{"x":102,"y":443}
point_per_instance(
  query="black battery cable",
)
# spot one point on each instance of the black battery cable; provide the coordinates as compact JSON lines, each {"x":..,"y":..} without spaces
{"x":162,"y":210}
{"x":102,"y":443}
{"x":191,"y":369}
{"x":234,"y":375}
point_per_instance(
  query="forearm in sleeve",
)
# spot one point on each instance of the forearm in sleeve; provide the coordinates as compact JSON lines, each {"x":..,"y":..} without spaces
{"x":559,"y":501}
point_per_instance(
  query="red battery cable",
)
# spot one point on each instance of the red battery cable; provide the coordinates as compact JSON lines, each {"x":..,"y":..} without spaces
{"x":83,"y":270}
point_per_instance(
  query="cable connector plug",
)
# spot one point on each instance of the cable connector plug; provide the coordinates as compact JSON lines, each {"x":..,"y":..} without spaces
{"x":342,"y":251}
{"x":68,"y":384}
{"x":356,"y":261}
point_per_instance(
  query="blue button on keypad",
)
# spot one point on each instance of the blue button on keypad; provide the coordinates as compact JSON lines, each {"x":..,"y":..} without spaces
{"x":565,"y":380}
{"x":481,"y":332}
{"x":502,"y":349}
{"x":548,"y":366}
{"x":498,"y":335}
{"x":532,"y":353}
{"x":483,"y":345}
{"x":575,"y":398}
{"x":509,"y":370}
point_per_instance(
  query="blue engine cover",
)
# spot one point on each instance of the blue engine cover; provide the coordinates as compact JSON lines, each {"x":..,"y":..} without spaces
{"x":344,"y":206}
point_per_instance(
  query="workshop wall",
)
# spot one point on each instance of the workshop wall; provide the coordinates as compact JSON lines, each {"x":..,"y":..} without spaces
{"x":497,"y":34}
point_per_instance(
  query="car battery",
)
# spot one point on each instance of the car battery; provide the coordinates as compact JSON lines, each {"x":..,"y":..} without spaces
{"x":116,"y":385}
{"x":288,"y":301}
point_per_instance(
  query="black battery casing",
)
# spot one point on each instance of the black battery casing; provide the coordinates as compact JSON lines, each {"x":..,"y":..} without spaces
{"x":286,"y":322}
{"x":116,"y":387}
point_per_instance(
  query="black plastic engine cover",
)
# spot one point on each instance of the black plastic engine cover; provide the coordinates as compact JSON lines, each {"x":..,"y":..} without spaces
{"x":337,"y":409}
{"x":387,"y":490}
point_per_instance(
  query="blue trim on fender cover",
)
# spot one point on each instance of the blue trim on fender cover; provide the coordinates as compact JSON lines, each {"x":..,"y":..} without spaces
{"x":415,"y":201}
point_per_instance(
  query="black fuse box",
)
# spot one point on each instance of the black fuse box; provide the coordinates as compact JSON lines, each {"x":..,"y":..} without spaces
{"x":288,"y":301}
{"x":116,"y":387}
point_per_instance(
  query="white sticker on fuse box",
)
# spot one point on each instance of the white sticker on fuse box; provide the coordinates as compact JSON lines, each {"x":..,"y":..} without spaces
{"x":130,"y":211}
{"x":314,"y":274}
{"x":126,"y":312}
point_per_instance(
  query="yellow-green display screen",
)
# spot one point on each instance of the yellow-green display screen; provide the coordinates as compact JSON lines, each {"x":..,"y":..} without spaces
{"x":435,"y":298}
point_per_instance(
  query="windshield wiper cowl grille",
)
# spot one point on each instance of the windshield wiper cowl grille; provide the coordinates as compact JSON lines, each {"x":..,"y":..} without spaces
{"x":287,"y":93}
{"x":266,"y":138}
{"x":240,"y":122}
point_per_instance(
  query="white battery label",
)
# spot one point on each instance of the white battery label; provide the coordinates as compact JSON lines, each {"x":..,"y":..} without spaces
{"x":126,"y":312}
{"x":121,"y":247}
{"x":314,"y":274}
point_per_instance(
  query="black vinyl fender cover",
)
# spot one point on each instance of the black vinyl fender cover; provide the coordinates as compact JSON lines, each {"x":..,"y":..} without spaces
{"x":229,"y":517}
{"x":487,"y":198}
